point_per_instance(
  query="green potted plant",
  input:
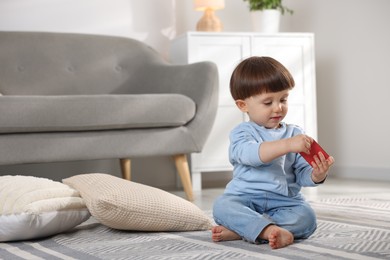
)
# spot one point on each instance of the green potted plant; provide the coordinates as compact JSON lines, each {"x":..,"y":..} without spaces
{"x":260,"y":5}
{"x":265,"y":14}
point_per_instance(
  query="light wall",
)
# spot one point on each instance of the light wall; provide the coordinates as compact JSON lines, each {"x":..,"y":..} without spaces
{"x":351,"y":44}
{"x":352,"y":54}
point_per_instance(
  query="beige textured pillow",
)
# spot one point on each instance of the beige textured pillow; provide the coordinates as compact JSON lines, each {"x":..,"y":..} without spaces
{"x":127,"y":205}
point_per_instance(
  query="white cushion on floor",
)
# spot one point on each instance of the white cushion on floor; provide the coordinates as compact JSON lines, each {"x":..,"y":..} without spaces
{"x":32,"y":207}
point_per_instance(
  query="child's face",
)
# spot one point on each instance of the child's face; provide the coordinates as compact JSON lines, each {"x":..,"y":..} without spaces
{"x":267,"y":109}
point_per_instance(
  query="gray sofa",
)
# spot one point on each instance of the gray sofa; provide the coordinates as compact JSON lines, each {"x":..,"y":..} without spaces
{"x":71,"y":97}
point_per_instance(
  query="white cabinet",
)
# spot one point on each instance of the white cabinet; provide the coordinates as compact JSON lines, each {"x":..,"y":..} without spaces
{"x":294,"y":50}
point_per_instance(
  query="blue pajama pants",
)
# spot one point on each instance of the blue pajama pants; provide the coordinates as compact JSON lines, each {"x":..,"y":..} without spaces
{"x":248,"y":215}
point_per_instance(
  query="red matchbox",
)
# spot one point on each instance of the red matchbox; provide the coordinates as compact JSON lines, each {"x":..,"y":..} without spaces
{"x":314,"y":150}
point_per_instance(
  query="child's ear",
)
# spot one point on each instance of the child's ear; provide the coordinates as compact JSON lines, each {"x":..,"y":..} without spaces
{"x":241,"y":104}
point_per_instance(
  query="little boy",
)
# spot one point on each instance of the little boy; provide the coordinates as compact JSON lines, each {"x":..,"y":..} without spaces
{"x":263,"y":202}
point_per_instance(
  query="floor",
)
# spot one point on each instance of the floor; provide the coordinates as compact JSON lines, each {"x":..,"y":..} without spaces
{"x":331,"y":188}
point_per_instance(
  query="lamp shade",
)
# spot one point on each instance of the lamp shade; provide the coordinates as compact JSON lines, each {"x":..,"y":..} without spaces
{"x":201,"y":5}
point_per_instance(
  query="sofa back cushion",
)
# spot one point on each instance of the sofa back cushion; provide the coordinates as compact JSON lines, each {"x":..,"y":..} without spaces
{"x":39,"y":63}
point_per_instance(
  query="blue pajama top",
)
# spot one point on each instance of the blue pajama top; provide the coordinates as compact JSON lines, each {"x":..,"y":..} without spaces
{"x":284,"y":175}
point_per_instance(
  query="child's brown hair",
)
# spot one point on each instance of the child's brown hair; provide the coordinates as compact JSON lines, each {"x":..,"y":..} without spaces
{"x":258,"y":75}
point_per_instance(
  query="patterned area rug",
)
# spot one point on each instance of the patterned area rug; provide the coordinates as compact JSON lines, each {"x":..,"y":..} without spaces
{"x":348,"y":228}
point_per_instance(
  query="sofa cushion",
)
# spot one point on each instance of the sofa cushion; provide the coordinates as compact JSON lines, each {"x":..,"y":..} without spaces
{"x":93,"y":112}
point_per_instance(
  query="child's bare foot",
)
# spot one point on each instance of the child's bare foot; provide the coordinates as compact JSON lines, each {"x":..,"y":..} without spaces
{"x":277,"y":237}
{"x":220,"y":233}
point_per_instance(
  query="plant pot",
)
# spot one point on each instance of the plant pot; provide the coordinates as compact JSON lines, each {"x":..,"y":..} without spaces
{"x":266,"y":21}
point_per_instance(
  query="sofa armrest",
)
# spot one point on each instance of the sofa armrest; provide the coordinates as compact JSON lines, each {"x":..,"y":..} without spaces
{"x":199,"y":81}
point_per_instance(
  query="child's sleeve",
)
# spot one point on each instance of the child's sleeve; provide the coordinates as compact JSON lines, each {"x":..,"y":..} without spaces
{"x":244,"y":148}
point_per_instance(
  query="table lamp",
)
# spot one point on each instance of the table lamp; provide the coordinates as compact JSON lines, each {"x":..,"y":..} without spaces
{"x":209,"y":21}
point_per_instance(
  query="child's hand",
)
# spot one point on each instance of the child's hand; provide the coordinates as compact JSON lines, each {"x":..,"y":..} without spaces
{"x":300,"y":143}
{"x":321,"y":167}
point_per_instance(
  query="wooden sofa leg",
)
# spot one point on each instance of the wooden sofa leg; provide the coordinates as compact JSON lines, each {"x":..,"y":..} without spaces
{"x":184,"y":173}
{"x":126,"y":168}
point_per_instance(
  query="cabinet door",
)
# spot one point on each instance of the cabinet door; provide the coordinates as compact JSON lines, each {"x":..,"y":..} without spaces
{"x":296,"y":53}
{"x":226,"y":52}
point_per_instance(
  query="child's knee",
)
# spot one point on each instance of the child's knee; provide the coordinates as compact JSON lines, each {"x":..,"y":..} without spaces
{"x":310,"y":228}
{"x":308,"y":223}
{"x":220,"y":206}
{"x":227,"y":208}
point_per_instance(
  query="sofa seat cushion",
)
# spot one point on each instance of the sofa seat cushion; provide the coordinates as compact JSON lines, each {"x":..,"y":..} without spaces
{"x":93,"y":112}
